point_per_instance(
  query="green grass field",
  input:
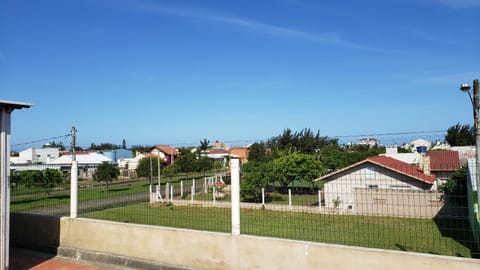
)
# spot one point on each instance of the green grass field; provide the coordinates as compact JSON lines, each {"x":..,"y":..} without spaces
{"x":445,"y":237}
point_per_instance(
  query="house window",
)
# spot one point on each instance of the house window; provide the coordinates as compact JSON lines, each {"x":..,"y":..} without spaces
{"x":372,"y":186}
{"x":369,"y":173}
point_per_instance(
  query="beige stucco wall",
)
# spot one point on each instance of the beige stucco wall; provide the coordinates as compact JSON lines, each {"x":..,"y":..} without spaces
{"x":207,"y":250}
{"x":343,"y":185}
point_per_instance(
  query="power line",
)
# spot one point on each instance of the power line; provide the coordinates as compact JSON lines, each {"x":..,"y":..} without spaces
{"x":42,"y":140}
{"x":389,"y":134}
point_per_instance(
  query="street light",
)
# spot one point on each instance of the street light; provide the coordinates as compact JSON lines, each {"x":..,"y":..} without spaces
{"x":475,"y":105}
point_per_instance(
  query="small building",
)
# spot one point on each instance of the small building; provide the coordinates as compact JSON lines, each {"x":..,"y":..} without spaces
{"x":444,"y":164}
{"x":87,"y":163}
{"x":355,"y":186}
{"x":37,"y":155}
{"x":415,"y":144}
{"x":116,"y":154}
{"x":239,"y":152}
{"x":165,"y":152}
{"x":371,"y":142}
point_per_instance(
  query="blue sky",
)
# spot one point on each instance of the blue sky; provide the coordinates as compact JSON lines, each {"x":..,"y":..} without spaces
{"x":175,"y":72}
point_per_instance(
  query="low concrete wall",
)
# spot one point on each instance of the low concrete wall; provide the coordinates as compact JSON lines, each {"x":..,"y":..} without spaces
{"x":187,"y":249}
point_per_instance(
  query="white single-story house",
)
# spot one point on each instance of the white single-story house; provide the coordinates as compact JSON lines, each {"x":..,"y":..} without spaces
{"x":373,"y":173}
{"x":87,"y":163}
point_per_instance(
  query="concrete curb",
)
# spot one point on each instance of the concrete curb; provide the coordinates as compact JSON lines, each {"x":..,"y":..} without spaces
{"x":113,"y":260}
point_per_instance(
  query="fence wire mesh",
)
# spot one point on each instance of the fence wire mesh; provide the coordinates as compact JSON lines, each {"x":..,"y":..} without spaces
{"x":378,"y":203}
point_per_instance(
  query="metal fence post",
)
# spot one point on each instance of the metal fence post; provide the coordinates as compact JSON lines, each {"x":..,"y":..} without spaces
{"x":235,"y":189}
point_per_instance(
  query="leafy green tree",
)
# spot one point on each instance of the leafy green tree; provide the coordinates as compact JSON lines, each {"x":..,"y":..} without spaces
{"x":143,"y":167}
{"x":124,"y":144}
{"x":188,"y":162}
{"x":295,"y":167}
{"x":49,"y":179}
{"x":256,"y":152}
{"x":456,"y":186}
{"x":46,"y":179}
{"x":103,"y":146}
{"x":106,"y":172}
{"x":304,"y":141}
{"x":255,"y":176}
{"x":460,"y":135}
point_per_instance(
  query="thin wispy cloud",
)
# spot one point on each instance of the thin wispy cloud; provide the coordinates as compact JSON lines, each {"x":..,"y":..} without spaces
{"x":456,"y":78}
{"x":241,"y":22}
{"x":457,"y":4}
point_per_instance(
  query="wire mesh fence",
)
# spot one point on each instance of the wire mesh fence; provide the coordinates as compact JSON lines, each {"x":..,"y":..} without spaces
{"x":376,"y":203}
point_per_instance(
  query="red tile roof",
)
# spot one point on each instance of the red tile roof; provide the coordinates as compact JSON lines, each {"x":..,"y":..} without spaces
{"x":167,"y":149}
{"x":444,"y":160}
{"x":402,"y":167}
{"x":390,"y":164}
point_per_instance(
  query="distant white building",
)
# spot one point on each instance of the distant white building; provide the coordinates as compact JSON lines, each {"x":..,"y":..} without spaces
{"x":412,"y":146}
{"x":37,"y":156}
{"x":87,"y":163}
{"x":371,"y":142}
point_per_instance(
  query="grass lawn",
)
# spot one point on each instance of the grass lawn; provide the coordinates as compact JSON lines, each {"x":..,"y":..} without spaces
{"x":443,"y":237}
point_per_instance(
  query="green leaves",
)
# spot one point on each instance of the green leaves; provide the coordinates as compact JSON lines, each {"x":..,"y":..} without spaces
{"x":460,"y":135}
{"x":106,"y":172}
{"x":46,"y":179}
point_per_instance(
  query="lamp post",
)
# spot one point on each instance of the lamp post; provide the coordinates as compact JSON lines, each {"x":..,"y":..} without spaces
{"x":475,"y":105}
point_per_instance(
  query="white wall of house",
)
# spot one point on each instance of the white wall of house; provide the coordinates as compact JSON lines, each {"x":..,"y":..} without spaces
{"x":341,"y":188}
{"x":38,"y":155}
{"x":158,"y":153}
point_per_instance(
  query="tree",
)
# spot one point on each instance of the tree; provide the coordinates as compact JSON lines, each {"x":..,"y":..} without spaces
{"x":256,"y":152}
{"x":46,"y":179}
{"x":143,"y":167}
{"x":106,"y":172}
{"x":295,"y":167}
{"x":460,"y":135}
{"x":103,"y":146}
{"x":304,"y":141}
{"x":203,"y":146}
{"x":255,"y":177}
{"x":124,"y":144}
{"x":456,"y":186}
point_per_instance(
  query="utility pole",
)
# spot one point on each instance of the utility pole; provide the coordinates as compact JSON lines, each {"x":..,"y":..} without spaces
{"x":476,"y":107}
{"x":74,"y":177}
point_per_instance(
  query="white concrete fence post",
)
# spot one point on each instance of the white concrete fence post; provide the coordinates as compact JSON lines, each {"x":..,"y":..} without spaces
{"x":74,"y":189}
{"x":181,"y":189}
{"x":235,"y":189}
{"x":205,"y":187}
{"x":167,"y":189}
{"x":263,"y":196}
{"x":193,"y":186}
{"x":319,"y":199}
{"x":289,"y":197}
{"x":171,"y":193}
{"x":192,"y":193}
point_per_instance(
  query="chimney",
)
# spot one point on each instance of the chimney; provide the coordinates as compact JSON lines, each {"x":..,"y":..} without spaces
{"x":391,"y":150}
{"x":426,"y":164}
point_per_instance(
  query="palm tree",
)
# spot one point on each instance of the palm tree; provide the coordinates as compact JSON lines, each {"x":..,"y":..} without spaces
{"x":203,"y":146}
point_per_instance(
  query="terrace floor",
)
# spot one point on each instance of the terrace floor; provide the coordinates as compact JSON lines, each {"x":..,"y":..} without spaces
{"x":21,"y":259}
